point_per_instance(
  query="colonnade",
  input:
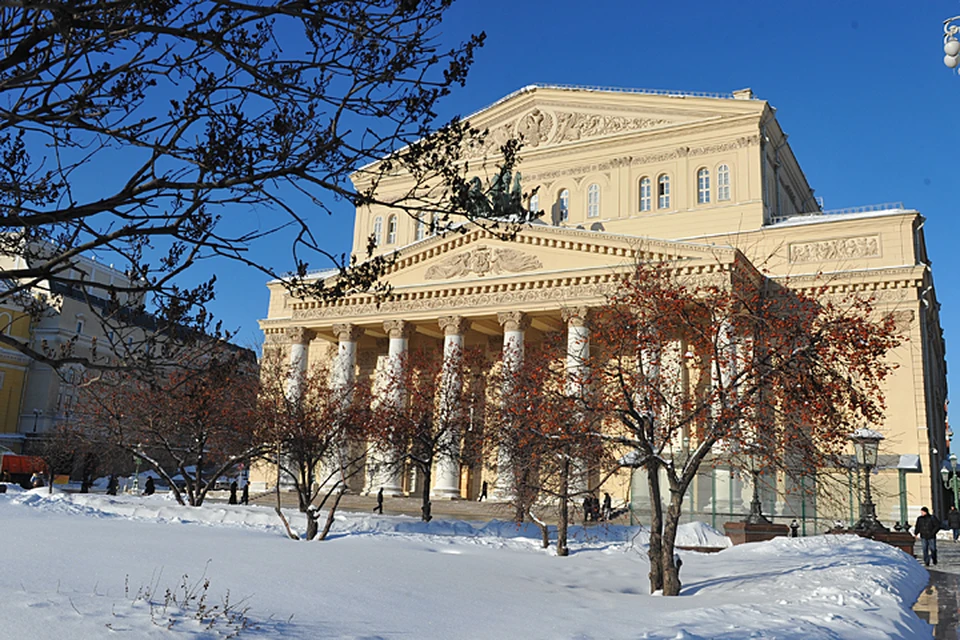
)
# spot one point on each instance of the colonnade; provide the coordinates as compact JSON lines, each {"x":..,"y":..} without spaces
{"x":382,"y":471}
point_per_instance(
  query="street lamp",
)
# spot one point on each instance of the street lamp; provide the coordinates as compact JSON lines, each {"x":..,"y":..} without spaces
{"x":951,"y":480}
{"x":754,"y":462}
{"x":866,"y":446}
{"x":136,"y":474}
{"x":951,"y":46}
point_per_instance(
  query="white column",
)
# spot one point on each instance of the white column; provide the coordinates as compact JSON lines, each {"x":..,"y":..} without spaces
{"x":343,"y":376}
{"x":447,"y":474}
{"x":578,"y":352}
{"x":386,"y":471}
{"x":299,"y":338}
{"x":514,"y":325}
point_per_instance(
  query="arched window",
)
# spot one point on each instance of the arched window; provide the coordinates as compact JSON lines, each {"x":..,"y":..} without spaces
{"x":723,"y":182}
{"x":392,"y":230}
{"x":535,"y":203}
{"x":646,"y":194}
{"x":377,"y":231}
{"x":421,"y":227}
{"x":6,"y":323}
{"x":563,"y":206}
{"x":593,"y":201}
{"x":663,"y":192}
{"x":703,"y":186}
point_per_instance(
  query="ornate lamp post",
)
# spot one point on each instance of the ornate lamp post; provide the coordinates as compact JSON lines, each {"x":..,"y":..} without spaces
{"x":951,"y":46}
{"x":866,"y":446}
{"x":951,"y":480}
{"x":754,"y":464}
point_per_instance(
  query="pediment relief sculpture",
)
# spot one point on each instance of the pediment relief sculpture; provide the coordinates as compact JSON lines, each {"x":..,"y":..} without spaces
{"x":482,"y":261}
{"x":537,"y":127}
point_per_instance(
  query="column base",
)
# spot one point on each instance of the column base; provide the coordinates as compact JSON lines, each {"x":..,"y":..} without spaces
{"x":446,"y":494}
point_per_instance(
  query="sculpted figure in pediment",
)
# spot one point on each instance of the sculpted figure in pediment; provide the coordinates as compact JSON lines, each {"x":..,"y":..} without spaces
{"x":483,"y":261}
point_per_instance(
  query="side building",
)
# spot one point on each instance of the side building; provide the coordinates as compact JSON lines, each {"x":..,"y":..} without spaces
{"x":702,"y":178}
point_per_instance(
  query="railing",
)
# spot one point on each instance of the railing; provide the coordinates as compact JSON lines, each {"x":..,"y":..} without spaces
{"x":870,"y":208}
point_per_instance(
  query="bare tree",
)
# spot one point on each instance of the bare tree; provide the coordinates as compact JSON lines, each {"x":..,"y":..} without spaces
{"x":145,"y":133}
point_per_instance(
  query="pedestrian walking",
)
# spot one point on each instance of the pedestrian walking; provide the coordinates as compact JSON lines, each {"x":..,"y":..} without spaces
{"x":233,"y":493}
{"x":245,"y":494}
{"x":149,"y":488}
{"x":483,"y":491}
{"x":607,"y":506}
{"x":926,"y":528}
{"x":794,"y":529}
{"x":112,"y":484}
{"x":953,"y":521}
{"x":379,"y":507}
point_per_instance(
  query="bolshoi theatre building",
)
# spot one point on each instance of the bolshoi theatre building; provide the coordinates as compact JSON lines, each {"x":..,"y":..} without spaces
{"x":707,"y":179}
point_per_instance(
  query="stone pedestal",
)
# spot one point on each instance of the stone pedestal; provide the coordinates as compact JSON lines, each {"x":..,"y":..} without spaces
{"x":741,"y":532}
{"x":899,"y":539}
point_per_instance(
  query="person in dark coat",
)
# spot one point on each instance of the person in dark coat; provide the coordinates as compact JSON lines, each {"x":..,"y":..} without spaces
{"x":112,"y":485}
{"x":953,"y":522}
{"x":926,"y":528}
{"x":233,"y":493}
{"x":607,"y":506}
{"x":379,"y":507}
{"x":587,"y":505}
{"x":149,"y":488}
{"x":245,"y":494}
{"x":483,"y":491}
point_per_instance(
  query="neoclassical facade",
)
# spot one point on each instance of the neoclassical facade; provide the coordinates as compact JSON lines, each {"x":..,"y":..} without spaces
{"x":703,"y":179}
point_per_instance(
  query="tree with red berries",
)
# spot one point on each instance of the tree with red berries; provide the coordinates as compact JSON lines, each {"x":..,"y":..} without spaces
{"x":688,"y":365}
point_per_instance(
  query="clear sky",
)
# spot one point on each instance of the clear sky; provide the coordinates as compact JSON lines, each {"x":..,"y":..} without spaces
{"x":860,"y":87}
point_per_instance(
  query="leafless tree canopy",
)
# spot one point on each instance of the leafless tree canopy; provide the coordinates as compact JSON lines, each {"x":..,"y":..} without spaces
{"x":155,"y":133}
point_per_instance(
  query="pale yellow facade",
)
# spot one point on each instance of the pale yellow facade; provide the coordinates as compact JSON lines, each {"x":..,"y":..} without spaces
{"x":13,"y":375}
{"x":698,"y":178}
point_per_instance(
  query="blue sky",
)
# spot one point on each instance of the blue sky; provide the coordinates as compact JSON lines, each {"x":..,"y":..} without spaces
{"x":860,"y":87}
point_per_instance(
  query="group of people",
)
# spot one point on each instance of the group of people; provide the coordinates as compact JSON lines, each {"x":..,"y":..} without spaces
{"x":594,"y":512}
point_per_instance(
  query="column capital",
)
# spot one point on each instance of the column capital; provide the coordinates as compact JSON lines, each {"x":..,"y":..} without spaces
{"x":397,"y":328}
{"x":452,"y":325}
{"x":575,"y":316}
{"x":347,"y":332}
{"x":513,"y":320}
{"x":299,"y":335}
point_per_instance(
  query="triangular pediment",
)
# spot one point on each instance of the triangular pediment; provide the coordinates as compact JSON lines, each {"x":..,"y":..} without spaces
{"x":480,"y":255}
{"x":544,"y":117}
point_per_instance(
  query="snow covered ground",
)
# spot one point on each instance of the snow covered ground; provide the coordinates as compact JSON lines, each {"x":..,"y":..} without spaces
{"x":91,"y":566}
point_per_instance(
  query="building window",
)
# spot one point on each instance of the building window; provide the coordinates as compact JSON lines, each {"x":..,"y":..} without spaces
{"x":723,"y":182}
{"x":535,"y":203}
{"x":663,"y":192}
{"x":703,"y":186}
{"x":6,"y":323}
{"x":421,"y":228}
{"x":593,"y":201}
{"x":378,"y":231}
{"x":646,"y":194}
{"x":564,"y":206}
{"x":79,"y":327}
{"x":392,"y":230}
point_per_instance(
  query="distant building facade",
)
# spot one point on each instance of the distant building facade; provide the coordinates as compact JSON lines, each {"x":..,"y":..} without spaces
{"x":703,"y":178}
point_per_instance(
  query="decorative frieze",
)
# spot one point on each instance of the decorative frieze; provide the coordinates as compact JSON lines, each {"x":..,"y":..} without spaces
{"x":482,"y":261}
{"x":835,"y":249}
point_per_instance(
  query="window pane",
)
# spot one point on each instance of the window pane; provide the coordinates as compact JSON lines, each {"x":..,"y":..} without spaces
{"x":646,"y":202}
{"x":378,"y":231}
{"x":703,"y":186}
{"x":564,"y":205}
{"x":723,"y":182}
{"x":663,"y":192}
{"x":392,"y":230}
{"x":593,"y":201}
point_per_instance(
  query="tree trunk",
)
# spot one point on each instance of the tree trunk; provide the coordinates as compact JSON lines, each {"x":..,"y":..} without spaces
{"x":656,"y":528}
{"x":312,"y":524}
{"x":562,"y":549}
{"x":671,"y":572}
{"x":330,"y":514}
{"x":544,"y":529}
{"x":425,"y":514}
